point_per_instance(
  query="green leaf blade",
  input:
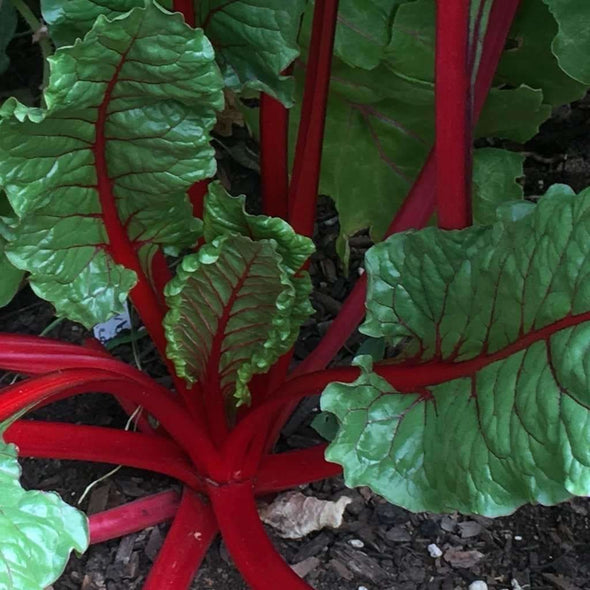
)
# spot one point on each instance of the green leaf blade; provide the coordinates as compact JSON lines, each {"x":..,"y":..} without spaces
{"x":230,"y":314}
{"x":495,"y":408}
{"x":38,"y":530}
{"x":125,"y":134}
{"x":255,"y":41}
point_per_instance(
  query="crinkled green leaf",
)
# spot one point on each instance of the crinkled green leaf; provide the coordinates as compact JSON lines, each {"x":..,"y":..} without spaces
{"x":493,"y":410}
{"x":129,"y":111}
{"x":8,"y":21}
{"x":255,"y":41}
{"x":71,"y":20}
{"x":530,"y":60}
{"x":226,"y":215}
{"x":38,"y":531}
{"x":231,"y":314}
{"x":572,"y":44}
{"x":495,"y":175}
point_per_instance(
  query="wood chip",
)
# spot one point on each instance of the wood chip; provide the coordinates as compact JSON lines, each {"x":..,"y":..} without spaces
{"x":305,"y":567}
{"x":462,"y":559}
{"x":469,"y":528}
{"x":361,"y":564}
{"x":561,"y":582}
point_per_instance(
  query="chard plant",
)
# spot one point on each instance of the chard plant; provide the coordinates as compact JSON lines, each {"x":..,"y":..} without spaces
{"x":487,"y":404}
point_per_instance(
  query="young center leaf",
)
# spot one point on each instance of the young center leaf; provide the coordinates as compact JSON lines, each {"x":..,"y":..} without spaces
{"x":38,"y":531}
{"x":105,"y":168}
{"x":491,"y":407}
{"x":237,"y":304}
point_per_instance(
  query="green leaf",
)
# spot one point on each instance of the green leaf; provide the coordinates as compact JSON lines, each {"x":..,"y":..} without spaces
{"x":231,"y":314}
{"x":226,"y":215}
{"x":38,"y":530}
{"x":8,"y":21}
{"x":515,"y":113}
{"x":572,"y":44}
{"x":326,"y":425}
{"x":127,"y":130}
{"x":71,"y":20}
{"x":495,"y":175}
{"x":383,"y":121}
{"x":363,"y":30}
{"x":493,"y":409}
{"x":255,"y":41}
{"x":530,"y":60}
{"x":11,"y":276}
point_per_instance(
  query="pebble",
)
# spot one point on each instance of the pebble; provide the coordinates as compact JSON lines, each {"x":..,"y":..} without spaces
{"x":356,"y":543}
{"x":362,"y":588}
{"x":478,"y":585}
{"x":435,"y":551}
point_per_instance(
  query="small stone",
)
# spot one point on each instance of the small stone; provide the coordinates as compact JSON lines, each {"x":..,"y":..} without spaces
{"x":362,"y":588}
{"x":478,"y":585}
{"x":356,"y":543}
{"x":517,"y":538}
{"x":434,"y":550}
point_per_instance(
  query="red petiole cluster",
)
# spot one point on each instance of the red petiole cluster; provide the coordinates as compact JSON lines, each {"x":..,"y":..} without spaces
{"x":223,"y":469}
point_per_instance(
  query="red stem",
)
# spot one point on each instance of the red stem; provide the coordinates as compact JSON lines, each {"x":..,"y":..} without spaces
{"x":24,"y":396}
{"x":54,"y":440}
{"x":419,"y":204}
{"x":187,"y":542}
{"x":274,"y":169}
{"x":133,"y":517}
{"x":285,"y":471}
{"x":308,"y":153}
{"x":252,"y":551}
{"x":454,"y":119}
{"x":34,"y":355}
{"x":187,"y":9}
{"x":196,"y":194}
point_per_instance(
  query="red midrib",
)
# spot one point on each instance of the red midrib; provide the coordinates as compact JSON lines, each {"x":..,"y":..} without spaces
{"x":213,"y":377}
{"x":120,"y":247}
{"x":215,"y":405}
{"x":406,"y":377}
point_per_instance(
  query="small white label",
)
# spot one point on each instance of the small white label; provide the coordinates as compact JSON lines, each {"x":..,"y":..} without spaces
{"x":113,"y":327}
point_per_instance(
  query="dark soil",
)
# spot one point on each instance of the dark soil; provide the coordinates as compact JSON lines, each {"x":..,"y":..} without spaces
{"x":379,"y":546}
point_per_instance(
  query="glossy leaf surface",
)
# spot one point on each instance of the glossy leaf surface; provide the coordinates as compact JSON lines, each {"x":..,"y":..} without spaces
{"x":38,"y":531}
{"x":124,"y":136}
{"x":230,"y":314}
{"x":496,"y":323}
{"x":255,"y":40}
